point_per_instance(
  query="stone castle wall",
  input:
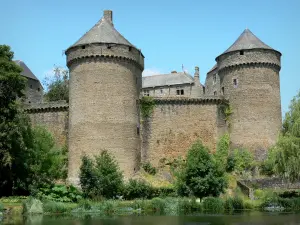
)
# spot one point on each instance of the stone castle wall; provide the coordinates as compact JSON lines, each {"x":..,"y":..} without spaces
{"x":176,"y":124}
{"x":53,"y":116}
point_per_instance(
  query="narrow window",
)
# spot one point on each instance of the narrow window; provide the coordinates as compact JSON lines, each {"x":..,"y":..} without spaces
{"x":235,"y":83}
{"x":138,"y":130}
{"x":31,"y":86}
{"x":214,"y":79}
{"x":129,"y":48}
{"x":241,"y":52}
{"x":38,"y":89}
{"x":83,"y":46}
{"x":178,"y":92}
{"x":203,"y":90}
{"x":182,"y":92}
{"x":215,"y":93}
{"x":222,"y":90}
{"x":161,"y":90}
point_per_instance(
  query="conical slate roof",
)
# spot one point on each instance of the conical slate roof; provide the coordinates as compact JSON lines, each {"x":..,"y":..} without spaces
{"x":103,"y":32}
{"x":247,"y":40}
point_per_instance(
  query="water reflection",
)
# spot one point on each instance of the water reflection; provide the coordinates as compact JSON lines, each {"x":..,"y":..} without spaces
{"x":250,"y":218}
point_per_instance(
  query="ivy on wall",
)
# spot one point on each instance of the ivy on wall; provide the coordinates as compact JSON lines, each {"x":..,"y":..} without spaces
{"x":147,"y":105}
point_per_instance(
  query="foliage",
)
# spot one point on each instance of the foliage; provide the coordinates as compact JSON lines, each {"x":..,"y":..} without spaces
{"x":58,"y":86}
{"x":147,"y":105}
{"x":60,"y":193}
{"x":14,"y":126}
{"x":1,"y":207}
{"x":32,"y":206}
{"x":101,"y":177}
{"x":268,"y":165}
{"x":286,"y":158}
{"x":243,"y":160}
{"x":201,"y":175}
{"x":47,"y":161}
{"x":137,"y":189}
{"x":149,"y":168}
{"x":222,"y":151}
{"x":158,"y":205}
{"x":213,"y":205}
{"x":57,"y":207}
{"x":233,"y":203}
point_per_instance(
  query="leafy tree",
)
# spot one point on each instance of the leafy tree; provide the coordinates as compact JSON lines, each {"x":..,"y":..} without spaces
{"x":14,"y":127}
{"x":284,"y":157}
{"x":101,"y":177}
{"x":58,"y":86}
{"x":201,"y":175}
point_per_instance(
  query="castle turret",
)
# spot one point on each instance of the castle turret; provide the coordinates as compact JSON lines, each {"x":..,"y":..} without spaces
{"x":105,"y":81}
{"x":249,"y":78}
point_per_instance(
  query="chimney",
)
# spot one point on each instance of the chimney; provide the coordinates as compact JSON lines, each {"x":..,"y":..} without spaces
{"x":107,"y":15}
{"x":197,"y":75}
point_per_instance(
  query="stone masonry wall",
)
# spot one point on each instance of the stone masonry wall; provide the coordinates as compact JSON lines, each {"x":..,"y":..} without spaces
{"x":53,"y":116}
{"x":176,"y":124}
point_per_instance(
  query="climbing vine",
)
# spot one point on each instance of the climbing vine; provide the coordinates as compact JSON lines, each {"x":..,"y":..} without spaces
{"x":147,"y":105}
{"x":227,"y":112}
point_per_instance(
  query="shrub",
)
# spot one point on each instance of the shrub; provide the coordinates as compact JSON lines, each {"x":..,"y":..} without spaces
{"x":32,"y":206}
{"x":60,"y":193}
{"x":158,"y":205}
{"x":201,"y":176}
{"x":137,"y":189}
{"x":221,"y":154}
{"x":164,"y":191}
{"x":85,"y":204}
{"x":56,"y":207}
{"x":243,"y":160}
{"x":1,"y":207}
{"x":233,"y":204}
{"x":213,"y":205}
{"x":188,"y":206}
{"x":149,"y":168}
{"x":101,"y":177}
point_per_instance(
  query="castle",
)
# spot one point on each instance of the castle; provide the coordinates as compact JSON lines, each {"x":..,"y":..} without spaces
{"x":241,"y":96}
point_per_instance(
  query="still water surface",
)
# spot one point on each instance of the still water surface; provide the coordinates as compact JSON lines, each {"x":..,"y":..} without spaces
{"x":250,"y":218}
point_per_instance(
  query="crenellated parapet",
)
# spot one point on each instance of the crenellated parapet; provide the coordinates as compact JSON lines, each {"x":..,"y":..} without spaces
{"x":181,"y":100}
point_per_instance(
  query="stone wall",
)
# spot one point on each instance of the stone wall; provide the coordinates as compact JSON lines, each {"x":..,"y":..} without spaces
{"x":169,"y":91}
{"x":34,"y":92}
{"x":274,"y":183}
{"x":53,"y":116}
{"x":176,"y":124}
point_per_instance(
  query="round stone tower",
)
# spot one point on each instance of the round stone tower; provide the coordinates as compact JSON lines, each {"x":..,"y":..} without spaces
{"x":105,"y":82}
{"x":249,"y":78}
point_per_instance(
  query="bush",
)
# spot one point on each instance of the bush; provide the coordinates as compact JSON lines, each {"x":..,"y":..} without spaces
{"x":158,"y":205}
{"x":60,"y":193}
{"x":57,"y":207}
{"x":222,"y":151}
{"x":164,"y":191}
{"x":243,"y":160}
{"x":213,"y":205}
{"x":32,"y":206}
{"x":101,"y":177}
{"x":233,"y":204}
{"x":201,"y":176}
{"x":1,"y":207}
{"x":137,"y":189}
{"x":149,"y":168}
{"x":188,"y":206}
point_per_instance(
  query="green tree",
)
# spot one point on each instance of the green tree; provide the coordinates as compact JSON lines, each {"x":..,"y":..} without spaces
{"x":201,"y":175}
{"x":58,"y":86}
{"x":222,"y":151}
{"x":14,"y":126}
{"x":287,"y":159}
{"x":101,"y":177}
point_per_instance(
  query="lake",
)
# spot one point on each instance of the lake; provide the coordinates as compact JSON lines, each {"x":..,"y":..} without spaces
{"x":247,"y":218}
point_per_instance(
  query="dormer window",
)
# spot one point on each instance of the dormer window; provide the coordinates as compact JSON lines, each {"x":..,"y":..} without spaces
{"x":241,"y":52}
{"x":215,"y":93}
{"x":179,"y":92}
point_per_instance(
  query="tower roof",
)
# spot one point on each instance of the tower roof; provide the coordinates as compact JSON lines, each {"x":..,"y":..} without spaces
{"x":26,"y":71}
{"x":247,"y":40}
{"x":103,"y":32}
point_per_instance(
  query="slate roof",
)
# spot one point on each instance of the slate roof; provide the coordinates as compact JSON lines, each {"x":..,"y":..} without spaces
{"x":26,"y":71}
{"x":102,"y":32}
{"x":167,"y":79}
{"x":247,"y":40}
